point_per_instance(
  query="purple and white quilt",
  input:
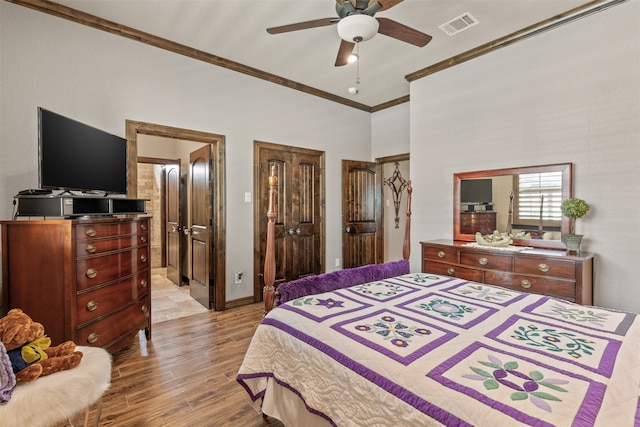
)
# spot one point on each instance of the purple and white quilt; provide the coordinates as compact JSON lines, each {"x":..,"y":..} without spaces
{"x":422,"y":349}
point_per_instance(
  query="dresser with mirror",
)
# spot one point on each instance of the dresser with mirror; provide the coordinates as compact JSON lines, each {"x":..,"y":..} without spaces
{"x":525,"y":202}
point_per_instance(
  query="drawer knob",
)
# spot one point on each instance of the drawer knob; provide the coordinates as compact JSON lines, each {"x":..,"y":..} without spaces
{"x":91,"y":273}
{"x":143,"y":283}
{"x":143,"y":227}
{"x":144,"y":309}
{"x":451,"y":271}
{"x":525,"y":284}
{"x":92,"y":305}
{"x":91,"y":249}
{"x":441,"y":254}
{"x":90,"y":232}
{"x":143,"y":258}
{"x":92,"y":338}
{"x":143,"y":239}
{"x":483,"y":261}
{"x":544,"y":267}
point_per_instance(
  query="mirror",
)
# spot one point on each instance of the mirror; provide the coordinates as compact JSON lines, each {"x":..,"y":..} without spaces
{"x":525,"y":201}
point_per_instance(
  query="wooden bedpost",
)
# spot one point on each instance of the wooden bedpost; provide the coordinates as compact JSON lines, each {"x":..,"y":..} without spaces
{"x":406,"y":244}
{"x":268,"y":292}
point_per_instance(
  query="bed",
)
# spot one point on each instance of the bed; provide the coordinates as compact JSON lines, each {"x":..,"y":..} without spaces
{"x":421,"y":349}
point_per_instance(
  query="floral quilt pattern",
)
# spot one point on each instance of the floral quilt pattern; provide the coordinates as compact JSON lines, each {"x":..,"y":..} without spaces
{"x":440,"y":350}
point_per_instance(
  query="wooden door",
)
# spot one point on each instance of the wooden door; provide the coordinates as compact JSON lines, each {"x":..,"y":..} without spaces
{"x":173,"y":223}
{"x":200,"y":230}
{"x":299,"y":247}
{"x":361,"y":214}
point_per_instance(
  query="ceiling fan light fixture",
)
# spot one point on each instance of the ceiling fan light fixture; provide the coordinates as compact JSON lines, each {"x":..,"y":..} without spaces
{"x":357,"y":28}
{"x":352,"y":58}
{"x":353,"y":90}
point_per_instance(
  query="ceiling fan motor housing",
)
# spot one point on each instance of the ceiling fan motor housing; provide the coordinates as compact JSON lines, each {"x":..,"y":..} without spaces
{"x":357,"y":28}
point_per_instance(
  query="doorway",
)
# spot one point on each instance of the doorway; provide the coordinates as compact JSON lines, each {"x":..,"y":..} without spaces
{"x":373,"y":214}
{"x":215,"y":258}
{"x":395,"y":180}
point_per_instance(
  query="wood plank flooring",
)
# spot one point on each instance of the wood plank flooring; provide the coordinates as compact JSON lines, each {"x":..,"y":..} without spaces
{"x":185,"y":376}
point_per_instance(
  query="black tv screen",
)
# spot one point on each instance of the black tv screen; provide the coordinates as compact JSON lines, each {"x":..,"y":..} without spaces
{"x":75,"y":156}
{"x":476,"y":191}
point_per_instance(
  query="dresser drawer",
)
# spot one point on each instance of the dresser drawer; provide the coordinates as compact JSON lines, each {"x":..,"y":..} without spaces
{"x":97,"y":231}
{"x":535,"y":284}
{"x":102,"y":269}
{"x":103,"y":332}
{"x":94,"y":247}
{"x":477,"y":220}
{"x":453,"y":270}
{"x":488,"y":261}
{"x":440,"y":254}
{"x":547,"y":267}
{"x":100,"y":302}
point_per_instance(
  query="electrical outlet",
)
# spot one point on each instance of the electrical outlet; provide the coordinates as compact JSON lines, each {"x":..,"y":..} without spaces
{"x":337,"y":262}
{"x":238,"y":277}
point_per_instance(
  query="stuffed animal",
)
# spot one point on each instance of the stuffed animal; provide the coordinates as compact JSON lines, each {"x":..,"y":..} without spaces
{"x":30,"y":349}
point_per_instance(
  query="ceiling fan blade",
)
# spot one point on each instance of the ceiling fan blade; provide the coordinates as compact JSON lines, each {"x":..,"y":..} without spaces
{"x":386,"y":4}
{"x":394,"y":29}
{"x":344,"y":51}
{"x":302,"y":25}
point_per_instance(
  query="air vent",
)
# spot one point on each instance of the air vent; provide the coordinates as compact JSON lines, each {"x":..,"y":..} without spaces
{"x":461,"y":23}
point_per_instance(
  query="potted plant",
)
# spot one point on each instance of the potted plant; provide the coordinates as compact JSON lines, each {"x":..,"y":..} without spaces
{"x":573,"y":209}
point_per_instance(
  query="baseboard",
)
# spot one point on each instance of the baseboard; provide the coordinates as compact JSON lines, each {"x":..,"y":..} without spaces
{"x":238,"y":302}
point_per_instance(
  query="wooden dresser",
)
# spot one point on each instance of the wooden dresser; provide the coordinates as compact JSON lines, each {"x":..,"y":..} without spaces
{"x":541,"y":271}
{"x":472,"y":222}
{"x":85,"y":280}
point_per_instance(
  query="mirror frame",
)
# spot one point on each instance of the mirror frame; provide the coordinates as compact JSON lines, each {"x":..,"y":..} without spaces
{"x":567,"y":191}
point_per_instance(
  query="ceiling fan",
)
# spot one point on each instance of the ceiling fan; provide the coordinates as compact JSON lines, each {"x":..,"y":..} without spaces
{"x":356,"y":24}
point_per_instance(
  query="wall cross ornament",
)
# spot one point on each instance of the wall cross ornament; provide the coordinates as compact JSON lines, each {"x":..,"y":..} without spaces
{"x":397,"y":189}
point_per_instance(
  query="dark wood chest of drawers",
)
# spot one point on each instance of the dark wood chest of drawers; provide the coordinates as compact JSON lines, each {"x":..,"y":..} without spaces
{"x":547,"y":272}
{"x":87,"y":281}
{"x":472,"y":222}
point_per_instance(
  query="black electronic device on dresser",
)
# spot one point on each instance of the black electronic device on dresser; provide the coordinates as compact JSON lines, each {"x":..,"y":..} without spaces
{"x":76,"y":156}
{"x":62,"y":206}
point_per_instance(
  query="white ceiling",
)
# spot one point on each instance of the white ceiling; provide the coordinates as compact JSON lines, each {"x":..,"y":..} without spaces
{"x":236,"y":30}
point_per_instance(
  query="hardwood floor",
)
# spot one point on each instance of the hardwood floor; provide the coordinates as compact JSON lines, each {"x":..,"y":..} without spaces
{"x":185,"y":376}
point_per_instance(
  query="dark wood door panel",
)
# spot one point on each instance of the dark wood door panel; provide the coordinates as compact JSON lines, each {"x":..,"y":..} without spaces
{"x":298,"y":222}
{"x":361,"y":214}
{"x":201,"y":279}
{"x":173,"y":226}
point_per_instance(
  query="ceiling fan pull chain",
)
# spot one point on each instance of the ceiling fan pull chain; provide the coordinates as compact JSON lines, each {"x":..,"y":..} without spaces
{"x":358,"y":63}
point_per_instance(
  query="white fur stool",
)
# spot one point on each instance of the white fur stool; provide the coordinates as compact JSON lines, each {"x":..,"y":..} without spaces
{"x":53,"y":399}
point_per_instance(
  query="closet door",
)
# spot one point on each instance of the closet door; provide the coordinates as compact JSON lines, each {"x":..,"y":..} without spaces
{"x":299,"y":239}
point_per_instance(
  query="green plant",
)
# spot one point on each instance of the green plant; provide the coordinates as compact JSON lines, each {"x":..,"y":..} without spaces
{"x":573,"y":209}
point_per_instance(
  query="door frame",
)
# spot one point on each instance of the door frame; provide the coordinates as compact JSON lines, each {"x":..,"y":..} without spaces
{"x":217,"y":142}
{"x":261,"y":214}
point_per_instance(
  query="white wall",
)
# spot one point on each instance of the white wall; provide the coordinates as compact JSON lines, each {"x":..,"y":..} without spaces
{"x":390,"y":131}
{"x":568,"y":95}
{"x":102,"y":80}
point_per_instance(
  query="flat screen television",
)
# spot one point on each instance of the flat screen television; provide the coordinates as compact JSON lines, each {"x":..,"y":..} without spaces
{"x":77,"y":157}
{"x":476,"y":191}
